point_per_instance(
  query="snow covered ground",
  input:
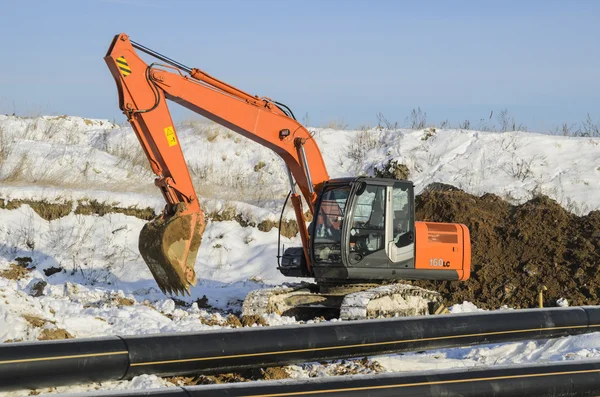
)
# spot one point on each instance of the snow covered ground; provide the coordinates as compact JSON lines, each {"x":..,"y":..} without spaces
{"x":86,"y":277}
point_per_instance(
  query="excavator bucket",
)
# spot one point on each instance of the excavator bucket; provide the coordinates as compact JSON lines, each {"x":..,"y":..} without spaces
{"x":169,"y":246}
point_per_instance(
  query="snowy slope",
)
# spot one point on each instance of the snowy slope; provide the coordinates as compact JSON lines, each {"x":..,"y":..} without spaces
{"x":102,"y":286}
{"x":93,"y":157}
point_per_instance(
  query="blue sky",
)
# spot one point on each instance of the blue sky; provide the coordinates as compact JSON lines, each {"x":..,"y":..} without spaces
{"x":333,"y":60}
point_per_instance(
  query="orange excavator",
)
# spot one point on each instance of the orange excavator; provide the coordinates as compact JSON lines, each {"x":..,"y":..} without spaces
{"x":363,"y":237}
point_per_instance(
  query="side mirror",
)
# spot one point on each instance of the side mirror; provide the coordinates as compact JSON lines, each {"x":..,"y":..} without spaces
{"x":361,"y":188}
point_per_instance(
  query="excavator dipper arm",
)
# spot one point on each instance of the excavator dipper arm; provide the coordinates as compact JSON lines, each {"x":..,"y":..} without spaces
{"x":169,"y":244}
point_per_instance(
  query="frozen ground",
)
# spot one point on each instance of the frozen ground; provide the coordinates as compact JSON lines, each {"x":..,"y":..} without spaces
{"x":86,"y":277}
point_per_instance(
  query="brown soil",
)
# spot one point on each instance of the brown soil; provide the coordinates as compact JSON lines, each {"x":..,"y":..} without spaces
{"x":38,"y":288}
{"x":249,"y":375}
{"x":233,"y":321}
{"x":248,"y":321}
{"x":54,"y":334}
{"x":289,"y":227}
{"x":392,"y":170}
{"x":274,"y":373}
{"x":122,"y":301}
{"x":518,"y":249}
{"x":52,"y":270}
{"x":35,"y":321}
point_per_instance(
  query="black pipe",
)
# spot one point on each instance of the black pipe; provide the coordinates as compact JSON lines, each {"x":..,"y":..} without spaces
{"x":39,"y":364}
{"x":26,"y":365}
{"x":564,"y":379}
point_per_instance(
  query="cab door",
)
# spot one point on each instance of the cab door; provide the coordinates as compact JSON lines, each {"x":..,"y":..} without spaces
{"x":367,"y":232}
{"x":400,"y":225}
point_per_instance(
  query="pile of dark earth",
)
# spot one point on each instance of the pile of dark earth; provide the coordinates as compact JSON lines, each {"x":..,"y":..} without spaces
{"x":517,"y":249}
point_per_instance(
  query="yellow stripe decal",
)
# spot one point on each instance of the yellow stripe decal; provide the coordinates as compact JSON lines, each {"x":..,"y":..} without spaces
{"x":439,"y":382}
{"x":187,"y":360}
{"x":123,"y":66}
{"x":28,"y":360}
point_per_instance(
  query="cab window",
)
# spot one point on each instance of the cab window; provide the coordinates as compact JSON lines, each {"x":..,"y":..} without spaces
{"x":367,"y":234}
{"x":327,"y":238}
{"x":402,"y":215}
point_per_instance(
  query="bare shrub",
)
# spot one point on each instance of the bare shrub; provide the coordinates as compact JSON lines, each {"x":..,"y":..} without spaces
{"x":486,"y":125}
{"x":465,"y":125}
{"x":18,"y":171}
{"x":589,"y":127}
{"x":566,"y":130}
{"x":382,"y":122}
{"x":393,"y":170}
{"x":337,"y":124}
{"x":520,"y":168}
{"x":508,"y":123}
{"x":306,"y":119}
{"x":417,"y":119}
{"x":51,"y":129}
{"x":30,"y":129}
{"x":6,"y":147}
{"x":361,"y":143}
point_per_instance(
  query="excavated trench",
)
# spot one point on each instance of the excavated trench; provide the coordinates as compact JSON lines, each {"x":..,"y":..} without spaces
{"x":517,"y":249}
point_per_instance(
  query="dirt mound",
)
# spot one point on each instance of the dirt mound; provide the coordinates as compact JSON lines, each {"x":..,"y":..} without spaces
{"x":518,"y":249}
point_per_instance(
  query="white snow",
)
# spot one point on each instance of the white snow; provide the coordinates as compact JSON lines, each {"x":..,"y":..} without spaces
{"x":104,"y":288}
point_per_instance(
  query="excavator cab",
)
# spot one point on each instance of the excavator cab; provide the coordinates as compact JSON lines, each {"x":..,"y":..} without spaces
{"x":364,"y":229}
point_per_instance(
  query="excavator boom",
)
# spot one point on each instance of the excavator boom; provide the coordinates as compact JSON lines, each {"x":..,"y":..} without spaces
{"x":169,"y":244}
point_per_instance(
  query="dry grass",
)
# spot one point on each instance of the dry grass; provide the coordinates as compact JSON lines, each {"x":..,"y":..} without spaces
{"x":46,"y":210}
{"x":54,"y":334}
{"x":259,"y":166}
{"x":336,"y":124}
{"x":15,"y":272}
{"x":289,"y":227}
{"x":34,"y":321}
{"x":6,"y":147}
{"x":364,"y":141}
{"x":392,"y":170}
{"x":51,"y":211}
{"x":19,"y":170}
{"x":89,"y":207}
{"x":122,"y":301}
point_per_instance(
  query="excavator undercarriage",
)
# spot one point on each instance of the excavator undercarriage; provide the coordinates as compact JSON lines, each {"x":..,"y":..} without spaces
{"x":306,"y":301}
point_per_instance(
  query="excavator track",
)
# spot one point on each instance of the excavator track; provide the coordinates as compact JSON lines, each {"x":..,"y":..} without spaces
{"x":261,"y":301}
{"x":348,"y":302}
{"x":394,"y":300}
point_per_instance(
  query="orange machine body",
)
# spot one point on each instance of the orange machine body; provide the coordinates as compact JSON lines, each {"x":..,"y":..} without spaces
{"x":443,"y":246}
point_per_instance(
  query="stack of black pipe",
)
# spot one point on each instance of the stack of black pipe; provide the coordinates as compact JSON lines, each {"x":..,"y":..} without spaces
{"x":54,"y":363}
